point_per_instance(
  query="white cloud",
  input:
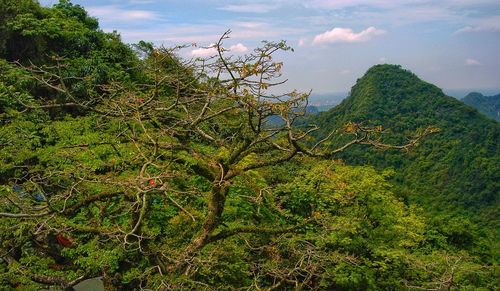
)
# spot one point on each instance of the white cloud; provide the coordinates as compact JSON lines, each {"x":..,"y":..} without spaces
{"x":382,"y":60}
{"x":204,"y":52}
{"x":249,"y":8}
{"x":265,"y":33}
{"x":464,"y":3}
{"x":117,"y":14}
{"x":403,"y":12}
{"x":201,"y":33}
{"x":339,"y":34}
{"x":487,"y":24}
{"x":468,"y":29}
{"x":472,"y":62}
{"x":339,"y":4}
{"x":249,"y":24}
{"x":141,"y":1}
{"x":238,"y":48}
{"x":211,"y":50}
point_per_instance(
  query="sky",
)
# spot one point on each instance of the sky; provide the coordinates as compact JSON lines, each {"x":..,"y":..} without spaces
{"x":454,"y":44}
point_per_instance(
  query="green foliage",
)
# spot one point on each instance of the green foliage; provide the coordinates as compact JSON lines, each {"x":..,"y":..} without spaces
{"x":458,"y":166}
{"x":33,"y":32}
{"x":45,"y":39}
{"x":106,"y":170}
{"x":454,"y":174}
{"x":366,"y":238}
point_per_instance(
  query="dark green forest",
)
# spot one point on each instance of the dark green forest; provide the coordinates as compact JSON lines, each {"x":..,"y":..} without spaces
{"x":131,"y":163}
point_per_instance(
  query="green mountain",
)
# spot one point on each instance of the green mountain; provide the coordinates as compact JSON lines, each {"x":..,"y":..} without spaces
{"x":453,"y":173}
{"x":488,"y":105}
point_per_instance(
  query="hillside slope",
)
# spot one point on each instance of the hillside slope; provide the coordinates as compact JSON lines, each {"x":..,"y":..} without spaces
{"x":456,"y":170}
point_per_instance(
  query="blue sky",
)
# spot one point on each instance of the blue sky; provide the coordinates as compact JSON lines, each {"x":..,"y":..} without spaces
{"x":454,"y":44}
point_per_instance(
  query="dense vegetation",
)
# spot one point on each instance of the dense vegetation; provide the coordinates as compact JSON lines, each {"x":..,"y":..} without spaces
{"x":466,"y":149}
{"x":454,"y":174}
{"x":488,"y":105}
{"x":130,"y":163}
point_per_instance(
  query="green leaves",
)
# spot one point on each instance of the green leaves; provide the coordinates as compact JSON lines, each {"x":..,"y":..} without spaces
{"x":163,"y":177}
{"x":92,"y":256}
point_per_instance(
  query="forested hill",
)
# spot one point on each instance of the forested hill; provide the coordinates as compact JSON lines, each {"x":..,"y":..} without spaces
{"x":488,"y":105}
{"x":457,"y":168}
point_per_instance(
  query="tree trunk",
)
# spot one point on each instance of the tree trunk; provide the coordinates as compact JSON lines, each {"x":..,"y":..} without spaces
{"x":215,"y":209}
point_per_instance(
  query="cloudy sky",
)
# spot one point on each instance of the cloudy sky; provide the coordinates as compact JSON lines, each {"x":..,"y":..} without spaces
{"x":454,"y":44}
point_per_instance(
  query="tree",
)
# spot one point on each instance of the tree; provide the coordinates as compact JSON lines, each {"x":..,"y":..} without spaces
{"x":135,"y":177}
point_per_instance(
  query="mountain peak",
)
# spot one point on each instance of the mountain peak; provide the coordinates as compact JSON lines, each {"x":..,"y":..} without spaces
{"x":391,"y":90}
{"x":393,"y":82}
{"x":396,"y":98}
{"x":455,"y":158}
{"x":386,"y":68}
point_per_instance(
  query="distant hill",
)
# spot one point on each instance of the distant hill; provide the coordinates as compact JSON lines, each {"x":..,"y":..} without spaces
{"x":329,"y":99}
{"x":488,"y":105}
{"x":454,"y":171}
{"x":461,"y":93}
{"x":322,"y":108}
{"x":275,"y":120}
